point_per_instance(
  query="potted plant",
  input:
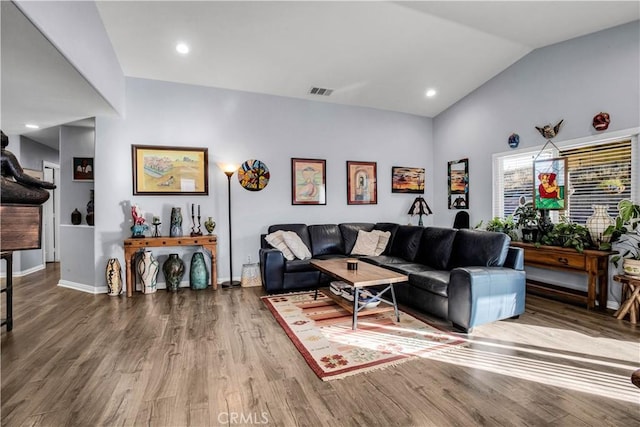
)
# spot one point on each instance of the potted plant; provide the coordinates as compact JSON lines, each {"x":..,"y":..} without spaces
{"x":626,"y":233}
{"x":568,"y":235}
{"x":503,"y":225}
{"x":528,"y":222}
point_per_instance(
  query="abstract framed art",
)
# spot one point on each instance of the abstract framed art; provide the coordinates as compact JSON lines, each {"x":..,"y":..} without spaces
{"x":407,"y":180}
{"x":308,"y":182}
{"x":550,"y":179}
{"x":83,"y":169}
{"x":180,"y":171}
{"x":362,"y":185}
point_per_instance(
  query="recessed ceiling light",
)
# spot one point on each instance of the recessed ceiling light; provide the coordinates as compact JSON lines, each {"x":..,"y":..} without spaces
{"x":182,"y":48}
{"x":31,"y":126}
{"x":431,"y":93}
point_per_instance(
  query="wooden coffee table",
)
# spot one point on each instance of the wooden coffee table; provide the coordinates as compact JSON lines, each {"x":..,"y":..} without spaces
{"x":366,"y":275}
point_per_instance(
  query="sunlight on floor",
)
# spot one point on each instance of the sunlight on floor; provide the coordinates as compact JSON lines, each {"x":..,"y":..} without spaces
{"x":553,"y":357}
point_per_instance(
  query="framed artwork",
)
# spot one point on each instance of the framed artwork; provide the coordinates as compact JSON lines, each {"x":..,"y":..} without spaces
{"x":407,"y":180}
{"x":550,"y":180}
{"x":159,"y":170}
{"x":458,"y":182}
{"x":308,"y":182}
{"x":253,"y":175}
{"x":362,"y":185}
{"x":83,"y":169}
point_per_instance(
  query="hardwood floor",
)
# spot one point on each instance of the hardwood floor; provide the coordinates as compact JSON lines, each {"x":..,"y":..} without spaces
{"x":209,"y":357}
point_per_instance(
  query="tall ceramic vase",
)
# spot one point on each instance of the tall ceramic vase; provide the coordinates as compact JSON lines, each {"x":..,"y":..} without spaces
{"x":598,"y":223}
{"x":147,"y":269}
{"x":176,"y":223}
{"x":114,"y":277}
{"x":198,"y":273}
{"x":173,"y":269}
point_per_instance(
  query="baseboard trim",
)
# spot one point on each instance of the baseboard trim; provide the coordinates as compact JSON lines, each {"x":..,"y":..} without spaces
{"x":23,"y":273}
{"x":82,"y":287}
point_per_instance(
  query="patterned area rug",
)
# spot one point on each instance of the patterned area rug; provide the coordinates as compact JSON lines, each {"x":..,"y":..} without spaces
{"x":321,"y":331}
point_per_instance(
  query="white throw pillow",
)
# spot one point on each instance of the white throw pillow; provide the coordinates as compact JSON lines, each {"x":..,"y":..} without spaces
{"x":365,"y":243}
{"x":383,"y":241}
{"x":276,"y":239}
{"x":296,"y":245}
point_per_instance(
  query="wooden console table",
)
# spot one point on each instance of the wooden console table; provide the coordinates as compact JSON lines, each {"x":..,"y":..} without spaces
{"x":131,"y":246}
{"x":592,"y":262}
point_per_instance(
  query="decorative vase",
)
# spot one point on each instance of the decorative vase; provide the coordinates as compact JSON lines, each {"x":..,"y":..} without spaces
{"x":598,"y":223}
{"x":90,"y":219}
{"x":76,"y":217}
{"x":114,"y":276}
{"x":176,"y":222}
{"x":198,"y":273}
{"x":147,"y":268}
{"x":173,"y":269}
{"x":631,"y":267}
{"x":210,"y":225}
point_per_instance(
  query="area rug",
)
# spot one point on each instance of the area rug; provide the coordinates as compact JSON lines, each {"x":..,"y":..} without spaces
{"x":321,"y":331}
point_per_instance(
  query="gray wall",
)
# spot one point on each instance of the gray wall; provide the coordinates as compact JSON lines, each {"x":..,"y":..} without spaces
{"x":573,"y":80}
{"x":236,"y":126}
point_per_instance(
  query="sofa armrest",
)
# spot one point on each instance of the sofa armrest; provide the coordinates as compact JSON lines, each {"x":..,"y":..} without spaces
{"x":272,"y":267}
{"x":479,"y":295}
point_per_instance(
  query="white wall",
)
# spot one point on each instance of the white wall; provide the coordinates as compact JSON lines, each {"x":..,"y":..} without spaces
{"x":237,"y":126}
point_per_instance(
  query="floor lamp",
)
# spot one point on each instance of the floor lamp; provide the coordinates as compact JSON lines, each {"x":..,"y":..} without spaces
{"x":229,"y":170}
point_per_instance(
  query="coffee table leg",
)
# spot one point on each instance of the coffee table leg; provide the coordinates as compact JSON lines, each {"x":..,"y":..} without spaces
{"x":395,"y":304}
{"x":354,"y":324}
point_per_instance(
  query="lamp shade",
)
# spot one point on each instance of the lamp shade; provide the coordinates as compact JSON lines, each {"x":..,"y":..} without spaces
{"x":420,"y":207}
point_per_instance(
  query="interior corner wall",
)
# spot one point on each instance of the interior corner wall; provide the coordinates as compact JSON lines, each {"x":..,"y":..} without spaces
{"x":572,"y":80}
{"x":237,"y":126}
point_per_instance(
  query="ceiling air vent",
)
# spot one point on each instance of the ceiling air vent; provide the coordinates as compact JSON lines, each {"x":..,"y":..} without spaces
{"x":321,"y":91}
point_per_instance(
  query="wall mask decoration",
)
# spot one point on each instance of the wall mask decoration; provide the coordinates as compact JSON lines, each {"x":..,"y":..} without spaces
{"x":549,"y":132}
{"x":514,"y":140}
{"x":458,"y":181}
{"x":253,"y":175}
{"x":601,"y":121}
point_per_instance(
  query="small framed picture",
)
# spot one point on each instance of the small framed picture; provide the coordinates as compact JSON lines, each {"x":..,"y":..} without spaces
{"x":458,"y":183}
{"x":83,"y":169}
{"x":407,"y":180}
{"x":362,"y":184}
{"x":550,"y":178}
{"x":308,"y":182}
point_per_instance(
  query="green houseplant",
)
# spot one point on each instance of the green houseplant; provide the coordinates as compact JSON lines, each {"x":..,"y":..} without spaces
{"x":503,"y":225}
{"x":626,"y":233}
{"x":568,"y":235}
{"x":528,"y":218}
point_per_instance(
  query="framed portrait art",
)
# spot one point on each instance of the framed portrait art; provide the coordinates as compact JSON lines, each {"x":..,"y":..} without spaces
{"x":458,"y":182}
{"x":407,"y":180}
{"x":83,"y":169}
{"x":159,"y":170}
{"x":362,"y":183}
{"x":550,"y":183}
{"x":308,"y":182}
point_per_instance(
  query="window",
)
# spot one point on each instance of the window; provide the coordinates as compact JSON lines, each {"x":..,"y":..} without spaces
{"x":599,"y":174}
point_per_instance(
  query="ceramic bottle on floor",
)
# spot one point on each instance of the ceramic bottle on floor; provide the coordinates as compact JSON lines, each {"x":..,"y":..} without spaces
{"x":198,"y":273}
{"x":173,"y":269}
{"x":147,"y":268}
{"x":114,"y":277}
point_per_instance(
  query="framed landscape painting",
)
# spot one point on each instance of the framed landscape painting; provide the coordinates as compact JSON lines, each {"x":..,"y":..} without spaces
{"x":550,"y":179}
{"x":308,"y":182}
{"x":362,"y":185}
{"x":458,"y":183}
{"x":159,"y":170}
{"x":407,"y":180}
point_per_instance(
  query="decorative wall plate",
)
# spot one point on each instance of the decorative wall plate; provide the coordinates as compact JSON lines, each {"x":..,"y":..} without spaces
{"x":253,"y":175}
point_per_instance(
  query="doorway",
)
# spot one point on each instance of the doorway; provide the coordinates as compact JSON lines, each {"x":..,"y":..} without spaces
{"x":50,"y":215}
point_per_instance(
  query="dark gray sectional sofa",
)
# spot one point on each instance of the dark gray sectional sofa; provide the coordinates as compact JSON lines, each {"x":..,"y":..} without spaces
{"x":469,"y":277}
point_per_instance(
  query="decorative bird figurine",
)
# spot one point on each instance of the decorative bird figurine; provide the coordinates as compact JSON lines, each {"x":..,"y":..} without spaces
{"x":548,"y":132}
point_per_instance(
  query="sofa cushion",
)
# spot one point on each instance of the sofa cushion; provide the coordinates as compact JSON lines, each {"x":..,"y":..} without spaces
{"x":296,"y":245}
{"x":408,"y":267}
{"x":390,"y":227}
{"x":326,"y":239}
{"x":298,"y":265}
{"x":436,"y":281}
{"x":383,"y":241}
{"x":406,"y":242}
{"x":436,"y":245}
{"x":383,"y":260}
{"x":366,"y":243}
{"x":300,"y":229}
{"x":276,"y":239}
{"x":479,"y":248}
{"x":349,"y":232}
